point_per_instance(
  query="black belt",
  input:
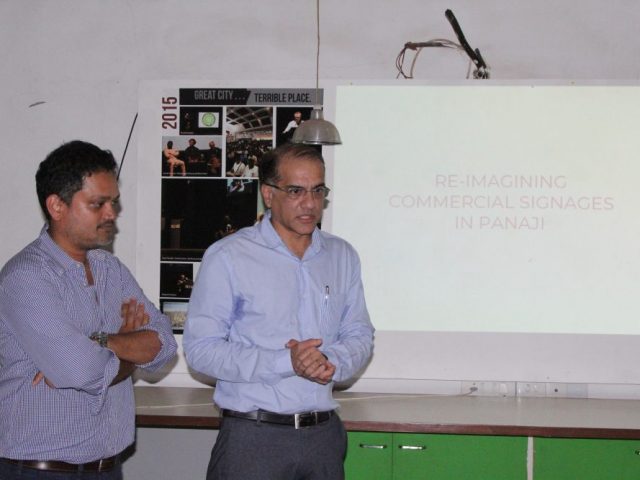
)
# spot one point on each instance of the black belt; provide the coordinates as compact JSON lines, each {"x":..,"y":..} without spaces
{"x":102,"y":465}
{"x":297,"y":420}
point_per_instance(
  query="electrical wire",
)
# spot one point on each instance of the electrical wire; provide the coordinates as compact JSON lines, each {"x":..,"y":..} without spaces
{"x":317,"y":45}
{"x":482,"y":69}
{"x":438,"y":42}
{"x":133,"y":124}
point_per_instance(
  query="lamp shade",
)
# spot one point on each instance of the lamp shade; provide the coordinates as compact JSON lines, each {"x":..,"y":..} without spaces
{"x":316,"y":131}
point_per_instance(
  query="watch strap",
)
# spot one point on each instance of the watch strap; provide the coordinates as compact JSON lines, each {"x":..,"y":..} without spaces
{"x":101,"y":338}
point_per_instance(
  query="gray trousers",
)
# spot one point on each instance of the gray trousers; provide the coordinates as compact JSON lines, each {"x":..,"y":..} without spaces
{"x":247,"y":450}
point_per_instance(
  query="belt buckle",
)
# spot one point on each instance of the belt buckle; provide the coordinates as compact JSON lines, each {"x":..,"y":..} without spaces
{"x":106,"y":464}
{"x":301,"y":420}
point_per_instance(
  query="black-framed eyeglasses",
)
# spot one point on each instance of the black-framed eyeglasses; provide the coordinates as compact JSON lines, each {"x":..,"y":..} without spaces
{"x":295,"y":192}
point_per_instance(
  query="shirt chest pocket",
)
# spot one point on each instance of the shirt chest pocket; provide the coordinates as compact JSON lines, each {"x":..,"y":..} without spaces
{"x":332,"y":308}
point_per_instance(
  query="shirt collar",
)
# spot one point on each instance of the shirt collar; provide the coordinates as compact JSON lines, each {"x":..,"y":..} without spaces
{"x":62,"y":257}
{"x":273,"y":240}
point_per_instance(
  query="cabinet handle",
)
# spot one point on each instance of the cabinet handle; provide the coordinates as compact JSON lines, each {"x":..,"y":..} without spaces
{"x":377,"y":447}
{"x":412,"y":447}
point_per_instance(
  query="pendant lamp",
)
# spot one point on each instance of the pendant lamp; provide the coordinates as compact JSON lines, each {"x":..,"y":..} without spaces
{"x":317,"y":130}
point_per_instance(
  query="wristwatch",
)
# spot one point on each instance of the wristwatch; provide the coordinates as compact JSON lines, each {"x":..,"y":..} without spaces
{"x":100,"y":337}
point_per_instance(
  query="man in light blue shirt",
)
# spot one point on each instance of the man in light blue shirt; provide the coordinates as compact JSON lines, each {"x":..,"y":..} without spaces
{"x":277,"y":314}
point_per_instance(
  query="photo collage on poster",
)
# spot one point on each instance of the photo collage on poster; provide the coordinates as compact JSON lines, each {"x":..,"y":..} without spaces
{"x":211,"y":157}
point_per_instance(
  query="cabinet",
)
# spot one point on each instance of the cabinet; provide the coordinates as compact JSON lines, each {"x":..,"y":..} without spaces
{"x":449,"y":454}
{"x":586,"y":459}
{"x":408,"y":456}
{"x":369,"y":456}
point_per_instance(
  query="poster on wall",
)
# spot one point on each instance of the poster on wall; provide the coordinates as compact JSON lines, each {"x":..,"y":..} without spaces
{"x":210,"y":143}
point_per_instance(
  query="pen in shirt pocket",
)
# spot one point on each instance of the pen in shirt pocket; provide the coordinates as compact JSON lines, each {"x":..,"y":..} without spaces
{"x":326,"y":293}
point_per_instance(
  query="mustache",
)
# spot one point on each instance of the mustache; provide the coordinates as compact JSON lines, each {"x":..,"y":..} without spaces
{"x":108,"y":223}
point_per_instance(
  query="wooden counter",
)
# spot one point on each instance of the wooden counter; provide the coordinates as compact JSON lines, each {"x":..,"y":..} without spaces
{"x":174,"y":407}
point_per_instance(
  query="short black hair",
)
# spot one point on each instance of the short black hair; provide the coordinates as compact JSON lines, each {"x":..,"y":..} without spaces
{"x":268,"y":171}
{"x":63,"y":171}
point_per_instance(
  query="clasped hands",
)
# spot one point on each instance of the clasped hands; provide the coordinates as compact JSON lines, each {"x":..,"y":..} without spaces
{"x":133,"y":316}
{"x":309,"y":362}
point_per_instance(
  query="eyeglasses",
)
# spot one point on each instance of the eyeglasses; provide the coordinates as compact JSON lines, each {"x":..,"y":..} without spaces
{"x":294,"y":192}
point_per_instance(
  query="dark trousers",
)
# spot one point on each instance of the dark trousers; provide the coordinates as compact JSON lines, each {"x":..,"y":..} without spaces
{"x":248,"y":450}
{"x":11,"y":471}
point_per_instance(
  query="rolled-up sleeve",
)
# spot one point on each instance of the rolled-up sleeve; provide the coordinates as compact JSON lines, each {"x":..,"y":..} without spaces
{"x":33,"y":309}
{"x":158,"y":322}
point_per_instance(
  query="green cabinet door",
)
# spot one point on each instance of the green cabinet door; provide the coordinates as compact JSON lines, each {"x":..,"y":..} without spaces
{"x":586,"y":459}
{"x":369,"y":456}
{"x":440,"y":457}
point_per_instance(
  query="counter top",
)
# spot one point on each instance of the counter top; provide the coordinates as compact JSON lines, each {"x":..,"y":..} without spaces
{"x":175,"y":407}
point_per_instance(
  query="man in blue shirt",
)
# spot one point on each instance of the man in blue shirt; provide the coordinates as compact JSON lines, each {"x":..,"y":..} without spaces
{"x":74,"y":325}
{"x":277,"y":315}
